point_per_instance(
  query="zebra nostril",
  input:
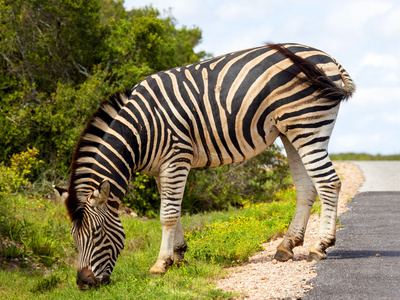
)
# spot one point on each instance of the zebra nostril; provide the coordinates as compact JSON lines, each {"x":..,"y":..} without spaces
{"x":85,"y":279}
{"x":106,"y":279}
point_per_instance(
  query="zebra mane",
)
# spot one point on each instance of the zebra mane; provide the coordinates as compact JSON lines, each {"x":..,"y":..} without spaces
{"x":106,"y":112}
{"x":316,"y":76}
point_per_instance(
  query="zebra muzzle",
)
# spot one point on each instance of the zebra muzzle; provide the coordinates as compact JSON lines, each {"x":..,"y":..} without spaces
{"x":86,"y":279}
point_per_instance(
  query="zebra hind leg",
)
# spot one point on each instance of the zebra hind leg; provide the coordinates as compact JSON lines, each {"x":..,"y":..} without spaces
{"x":327,"y":182}
{"x":306,"y":194}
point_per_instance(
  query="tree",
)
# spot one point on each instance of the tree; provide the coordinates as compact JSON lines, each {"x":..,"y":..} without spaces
{"x":47,"y":42}
{"x":144,"y":43}
{"x":112,"y":9}
{"x":60,"y":58}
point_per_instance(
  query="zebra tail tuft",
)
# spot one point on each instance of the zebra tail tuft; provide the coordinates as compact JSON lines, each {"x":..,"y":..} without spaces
{"x":316,"y":76}
{"x":349,"y":86}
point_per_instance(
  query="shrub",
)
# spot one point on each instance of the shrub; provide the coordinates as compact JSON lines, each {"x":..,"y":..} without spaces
{"x":57,"y":124}
{"x":143,"y":196}
{"x":15,"y":176}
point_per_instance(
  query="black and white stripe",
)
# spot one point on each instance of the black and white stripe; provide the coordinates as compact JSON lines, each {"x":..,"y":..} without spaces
{"x":220,"y":111}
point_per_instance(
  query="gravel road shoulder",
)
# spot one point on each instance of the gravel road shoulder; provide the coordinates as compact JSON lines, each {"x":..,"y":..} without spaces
{"x":265,"y":278}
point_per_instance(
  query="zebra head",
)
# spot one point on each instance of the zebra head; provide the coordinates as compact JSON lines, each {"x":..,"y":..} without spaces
{"x":98,"y":233}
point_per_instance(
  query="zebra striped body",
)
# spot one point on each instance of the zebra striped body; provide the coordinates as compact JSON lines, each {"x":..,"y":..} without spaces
{"x":221,"y":111}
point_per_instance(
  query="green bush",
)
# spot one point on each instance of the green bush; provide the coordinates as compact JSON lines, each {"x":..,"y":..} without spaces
{"x":16,"y":175}
{"x":143,"y":196}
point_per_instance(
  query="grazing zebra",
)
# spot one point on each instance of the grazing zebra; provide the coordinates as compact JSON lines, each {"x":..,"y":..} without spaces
{"x":220,"y":111}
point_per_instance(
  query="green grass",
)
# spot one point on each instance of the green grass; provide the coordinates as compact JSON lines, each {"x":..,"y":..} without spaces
{"x":35,"y":233}
{"x":363,"y":156}
{"x":46,"y":284}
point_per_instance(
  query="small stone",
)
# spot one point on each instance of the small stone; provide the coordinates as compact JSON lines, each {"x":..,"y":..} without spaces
{"x":377,"y":255}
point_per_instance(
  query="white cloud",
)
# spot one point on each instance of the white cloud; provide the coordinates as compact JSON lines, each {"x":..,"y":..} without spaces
{"x":234,"y":12}
{"x":393,"y":117}
{"x":369,"y":122}
{"x":379,"y":69}
{"x":350,"y":17}
{"x":352,"y":142}
{"x":375,"y":96}
{"x":379,"y":60}
{"x":389,"y":26}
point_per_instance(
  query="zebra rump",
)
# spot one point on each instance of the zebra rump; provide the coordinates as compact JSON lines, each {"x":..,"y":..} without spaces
{"x":326,"y":87}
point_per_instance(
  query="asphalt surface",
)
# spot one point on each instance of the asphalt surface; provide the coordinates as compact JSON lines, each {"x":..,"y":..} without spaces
{"x":380,"y":176}
{"x":365,"y":263}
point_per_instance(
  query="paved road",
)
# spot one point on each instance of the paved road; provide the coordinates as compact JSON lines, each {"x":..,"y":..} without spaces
{"x":380,"y":176}
{"x":365,"y":263}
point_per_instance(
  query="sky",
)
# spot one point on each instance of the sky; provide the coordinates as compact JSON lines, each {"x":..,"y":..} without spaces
{"x":363,"y":36}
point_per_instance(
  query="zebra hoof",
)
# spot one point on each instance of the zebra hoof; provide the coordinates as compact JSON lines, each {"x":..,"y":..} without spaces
{"x":282,"y":256}
{"x":315,"y":257}
{"x":161,"y":266}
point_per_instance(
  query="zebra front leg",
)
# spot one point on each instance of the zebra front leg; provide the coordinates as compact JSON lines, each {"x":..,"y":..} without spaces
{"x":306,"y":194}
{"x":180,"y":246}
{"x":327,"y":182}
{"x":171,"y":182}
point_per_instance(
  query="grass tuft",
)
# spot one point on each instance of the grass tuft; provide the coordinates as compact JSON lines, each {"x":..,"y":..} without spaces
{"x":46,"y":284}
{"x":10,"y":249}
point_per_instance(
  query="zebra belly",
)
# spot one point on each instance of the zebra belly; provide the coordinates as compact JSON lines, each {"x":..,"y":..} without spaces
{"x":221,"y":150}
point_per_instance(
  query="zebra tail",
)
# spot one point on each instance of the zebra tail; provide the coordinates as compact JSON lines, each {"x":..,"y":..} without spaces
{"x":349,"y":86}
{"x":315,"y":76}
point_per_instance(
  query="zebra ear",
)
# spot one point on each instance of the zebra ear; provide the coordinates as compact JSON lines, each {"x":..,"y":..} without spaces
{"x":61,"y":193}
{"x":100,"y":196}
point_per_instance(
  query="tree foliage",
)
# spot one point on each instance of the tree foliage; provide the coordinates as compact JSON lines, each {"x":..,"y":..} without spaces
{"x":60,"y":58}
{"x":46,"y":42}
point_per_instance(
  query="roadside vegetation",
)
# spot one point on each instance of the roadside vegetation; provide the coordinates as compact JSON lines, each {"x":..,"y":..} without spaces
{"x":363,"y":156}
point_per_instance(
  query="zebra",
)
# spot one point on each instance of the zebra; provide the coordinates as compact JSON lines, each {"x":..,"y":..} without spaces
{"x":220,"y":111}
